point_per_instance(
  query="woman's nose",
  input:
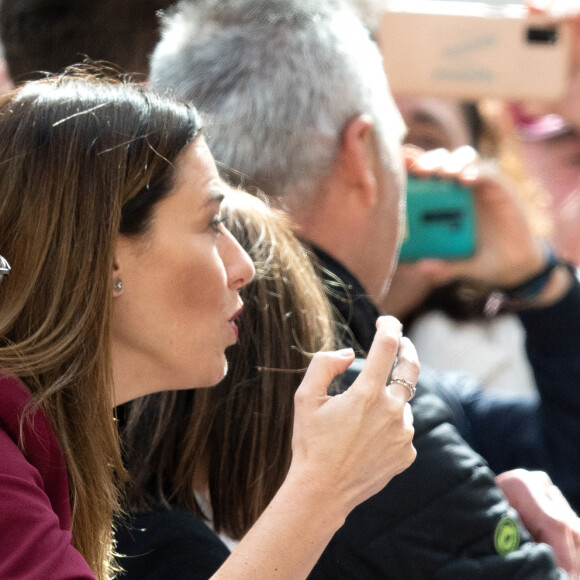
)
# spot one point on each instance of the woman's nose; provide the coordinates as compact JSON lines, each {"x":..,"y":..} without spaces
{"x":239,"y":266}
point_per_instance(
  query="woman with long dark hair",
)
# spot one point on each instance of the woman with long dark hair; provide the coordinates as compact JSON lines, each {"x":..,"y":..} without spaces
{"x":124,"y":282}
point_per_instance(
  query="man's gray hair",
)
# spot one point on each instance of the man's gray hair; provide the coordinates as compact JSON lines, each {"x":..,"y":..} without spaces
{"x":277,"y":82}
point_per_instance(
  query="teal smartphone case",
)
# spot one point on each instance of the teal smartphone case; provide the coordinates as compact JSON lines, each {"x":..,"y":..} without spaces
{"x":440,"y":220}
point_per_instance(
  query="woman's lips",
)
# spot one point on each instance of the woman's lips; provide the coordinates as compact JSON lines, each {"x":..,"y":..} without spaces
{"x":232,"y":321}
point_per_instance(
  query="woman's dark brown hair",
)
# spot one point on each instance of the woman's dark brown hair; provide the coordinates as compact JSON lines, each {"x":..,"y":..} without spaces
{"x":233,"y":441}
{"x":82,"y":159}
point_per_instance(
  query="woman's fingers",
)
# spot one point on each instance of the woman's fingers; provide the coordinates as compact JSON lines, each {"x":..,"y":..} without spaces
{"x":356,"y":442}
{"x":405,"y":372}
{"x":321,"y":371}
{"x":381,"y":357}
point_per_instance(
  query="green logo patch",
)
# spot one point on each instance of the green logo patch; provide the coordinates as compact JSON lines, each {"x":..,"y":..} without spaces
{"x":506,"y":538}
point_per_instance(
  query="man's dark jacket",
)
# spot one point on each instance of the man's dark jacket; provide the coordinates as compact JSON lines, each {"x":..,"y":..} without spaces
{"x":442,"y":518}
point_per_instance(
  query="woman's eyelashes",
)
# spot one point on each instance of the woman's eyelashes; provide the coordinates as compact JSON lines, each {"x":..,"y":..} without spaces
{"x":216,"y":224}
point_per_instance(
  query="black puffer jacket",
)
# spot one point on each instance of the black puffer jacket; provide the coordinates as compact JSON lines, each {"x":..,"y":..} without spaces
{"x":444,"y":517}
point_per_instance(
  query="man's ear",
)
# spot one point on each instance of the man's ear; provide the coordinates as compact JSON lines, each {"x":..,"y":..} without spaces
{"x":356,"y":157}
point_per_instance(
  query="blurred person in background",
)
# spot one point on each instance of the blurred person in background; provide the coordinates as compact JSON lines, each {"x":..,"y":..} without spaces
{"x":551,"y":152}
{"x":448,"y":318}
{"x":44,"y":36}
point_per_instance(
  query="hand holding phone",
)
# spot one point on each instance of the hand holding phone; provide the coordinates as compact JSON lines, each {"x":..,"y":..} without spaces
{"x":506,"y":252}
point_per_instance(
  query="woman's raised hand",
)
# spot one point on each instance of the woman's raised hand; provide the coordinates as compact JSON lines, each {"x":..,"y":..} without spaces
{"x":345,"y":449}
{"x":351,"y":445}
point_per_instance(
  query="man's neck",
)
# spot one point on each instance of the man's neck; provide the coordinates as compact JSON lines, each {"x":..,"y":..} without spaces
{"x":356,"y":327}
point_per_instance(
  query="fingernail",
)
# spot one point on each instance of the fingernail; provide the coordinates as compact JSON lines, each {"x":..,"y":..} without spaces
{"x":345,"y":352}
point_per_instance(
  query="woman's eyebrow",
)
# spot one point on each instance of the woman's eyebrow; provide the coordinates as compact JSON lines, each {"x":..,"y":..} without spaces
{"x":216,"y":196}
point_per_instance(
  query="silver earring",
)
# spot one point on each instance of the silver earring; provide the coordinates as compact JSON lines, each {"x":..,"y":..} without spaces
{"x":117,"y":284}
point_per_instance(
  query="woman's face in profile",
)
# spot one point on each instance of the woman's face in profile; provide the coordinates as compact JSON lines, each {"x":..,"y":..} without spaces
{"x":175,"y":315}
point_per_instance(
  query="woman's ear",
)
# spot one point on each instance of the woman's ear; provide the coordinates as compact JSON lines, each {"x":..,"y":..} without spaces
{"x":357,"y":157}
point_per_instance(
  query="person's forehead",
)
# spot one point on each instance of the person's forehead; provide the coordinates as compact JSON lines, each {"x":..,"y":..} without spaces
{"x":430,"y":110}
{"x":442,"y":115}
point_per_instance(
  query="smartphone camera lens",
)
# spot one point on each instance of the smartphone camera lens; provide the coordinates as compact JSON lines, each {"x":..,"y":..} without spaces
{"x":542,"y":35}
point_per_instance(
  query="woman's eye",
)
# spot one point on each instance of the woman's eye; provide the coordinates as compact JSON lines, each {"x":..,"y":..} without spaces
{"x":216,"y":224}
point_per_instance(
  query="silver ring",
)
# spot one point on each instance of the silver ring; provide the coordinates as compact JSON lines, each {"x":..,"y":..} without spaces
{"x":405,"y":383}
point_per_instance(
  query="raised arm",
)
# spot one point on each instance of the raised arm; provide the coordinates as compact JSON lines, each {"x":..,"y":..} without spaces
{"x":345,"y":449}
